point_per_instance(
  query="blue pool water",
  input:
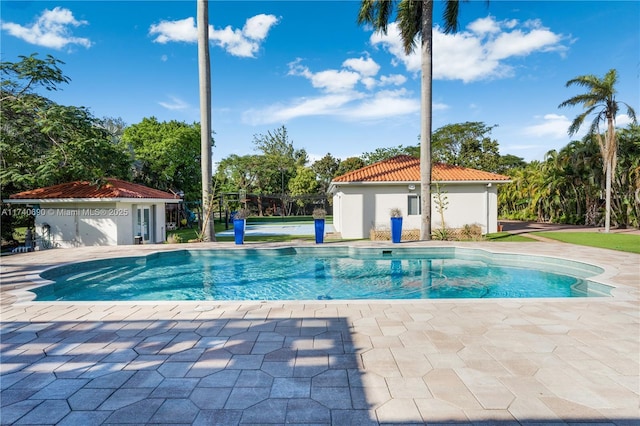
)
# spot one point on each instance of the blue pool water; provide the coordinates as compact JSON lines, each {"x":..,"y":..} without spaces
{"x":320,"y":274}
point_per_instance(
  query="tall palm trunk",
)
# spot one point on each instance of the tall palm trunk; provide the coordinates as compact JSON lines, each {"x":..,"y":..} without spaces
{"x":204,"y":74}
{"x":610,"y":162}
{"x":425,"y":121}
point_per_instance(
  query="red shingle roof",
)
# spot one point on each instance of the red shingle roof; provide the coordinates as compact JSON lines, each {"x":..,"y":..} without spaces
{"x":404,"y":168}
{"x":114,"y":188}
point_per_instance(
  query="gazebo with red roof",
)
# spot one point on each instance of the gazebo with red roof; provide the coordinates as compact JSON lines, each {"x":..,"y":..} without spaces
{"x":82,"y":213}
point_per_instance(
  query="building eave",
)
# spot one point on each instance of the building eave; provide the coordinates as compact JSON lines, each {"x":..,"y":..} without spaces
{"x":89,"y":200}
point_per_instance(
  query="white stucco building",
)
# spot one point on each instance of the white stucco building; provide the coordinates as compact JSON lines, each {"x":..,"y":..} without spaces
{"x":363,"y":198}
{"x":80,"y":213}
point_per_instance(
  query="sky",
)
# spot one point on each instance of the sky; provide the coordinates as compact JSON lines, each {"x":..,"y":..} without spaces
{"x":338,"y":87}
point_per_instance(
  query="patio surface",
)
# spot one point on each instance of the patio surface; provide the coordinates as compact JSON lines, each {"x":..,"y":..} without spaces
{"x":499,"y":361}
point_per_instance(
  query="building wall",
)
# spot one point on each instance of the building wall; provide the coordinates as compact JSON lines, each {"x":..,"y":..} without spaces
{"x":95,"y":224}
{"x":367,"y":206}
{"x":76,"y":224}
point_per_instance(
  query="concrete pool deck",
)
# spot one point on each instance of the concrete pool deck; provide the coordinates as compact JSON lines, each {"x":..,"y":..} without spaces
{"x":496,"y":361}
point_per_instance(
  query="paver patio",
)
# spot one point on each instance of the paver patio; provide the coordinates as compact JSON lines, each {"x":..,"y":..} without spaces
{"x":494,"y":361}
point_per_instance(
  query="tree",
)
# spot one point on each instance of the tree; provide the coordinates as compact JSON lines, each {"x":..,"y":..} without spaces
{"x":167,"y":155}
{"x":325,"y":170}
{"x":304,"y":183}
{"x":281,"y":160}
{"x":381,"y":154}
{"x":600,"y":101}
{"x":348,"y":165}
{"x":43,"y":143}
{"x":466,"y":144}
{"x":204,"y":74}
{"x":415,"y":17}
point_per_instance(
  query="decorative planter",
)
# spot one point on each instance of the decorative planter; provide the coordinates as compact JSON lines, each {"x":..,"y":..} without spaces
{"x":319,"y":227}
{"x":396,"y":229}
{"x":238,"y":230}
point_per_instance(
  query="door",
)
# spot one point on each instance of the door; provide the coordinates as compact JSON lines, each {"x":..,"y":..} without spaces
{"x":143,"y":224}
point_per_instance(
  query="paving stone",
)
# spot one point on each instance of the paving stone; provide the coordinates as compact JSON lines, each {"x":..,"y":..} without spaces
{"x":291,"y":387}
{"x":353,"y":417}
{"x":144,"y":379}
{"x":11,"y":413}
{"x":175,"y":411}
{"x":210,"y":398}
{"x":125,"y":397}
{"x":254,"y":378}
{"x":332,"y":397}
{"x":34,"y":381}
{"x":174,"y":369}
{"x":60,"y":389}
{"x":331,"y":378}
{"x":136,"y":413}
{"x":221,"y":379}
{"x":8,"y":397}
{"x":272,"y":410}
{"x":242,"y":398}
{"x":174,"y":388}
{"x":89,"y":399}
{"x":84,"y":418}
{"x":245,"y":362}
{"x":49,"y":412}
{"x":307,"y":411}
{"x":113,"y":380}
{"x":218,"y":418}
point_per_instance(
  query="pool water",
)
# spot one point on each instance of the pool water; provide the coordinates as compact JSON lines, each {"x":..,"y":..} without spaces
{"x":321,"y":274}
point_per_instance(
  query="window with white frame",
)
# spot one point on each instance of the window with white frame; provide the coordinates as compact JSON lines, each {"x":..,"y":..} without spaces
{"x":413,"y":207}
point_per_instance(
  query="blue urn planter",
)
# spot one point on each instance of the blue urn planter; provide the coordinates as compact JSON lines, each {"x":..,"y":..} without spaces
{"x":238,"y":230}
{"x":396,"y":229}
{"x":319,"y":228}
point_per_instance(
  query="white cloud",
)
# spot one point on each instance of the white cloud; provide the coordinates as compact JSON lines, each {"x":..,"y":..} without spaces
{"x":243,"y":42}
{"x":366,"y":67}
{"x":175,"y":104}
{"x":183,"y":30}
{"x":348,"y":93}
{"x":384,"y":104}
{"x":553,"y":126}
{"x":51,"y":29}
{"x":623,"y":120}
{"x":329,"y":104}
{"x":257,"y":27}
{"x":333,"y":81}
{"x":478,"y":53}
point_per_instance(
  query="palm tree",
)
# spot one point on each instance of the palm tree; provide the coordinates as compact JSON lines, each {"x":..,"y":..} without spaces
{"x":601,"y":101}
{"x":415,"y":17}
{"x":204,"y":73}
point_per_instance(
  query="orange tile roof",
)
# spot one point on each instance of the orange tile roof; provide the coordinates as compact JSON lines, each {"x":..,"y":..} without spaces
{"x":114,"y":188}
{"x":405,"y":168}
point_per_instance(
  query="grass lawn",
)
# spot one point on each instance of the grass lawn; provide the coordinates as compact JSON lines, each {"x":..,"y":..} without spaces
{"x":620,"y":242}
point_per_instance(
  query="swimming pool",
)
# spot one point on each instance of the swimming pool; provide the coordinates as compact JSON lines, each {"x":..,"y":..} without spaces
{"x":314,"y":273}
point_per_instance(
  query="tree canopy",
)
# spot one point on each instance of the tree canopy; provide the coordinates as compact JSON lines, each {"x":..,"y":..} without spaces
{"x":43,"y":143}
{"x":167,"y":155}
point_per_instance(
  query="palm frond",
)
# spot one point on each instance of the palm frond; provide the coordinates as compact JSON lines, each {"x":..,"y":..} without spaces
{"x":450,"y":16}
{"x":409,"y":23}
{"x":375,"y":12}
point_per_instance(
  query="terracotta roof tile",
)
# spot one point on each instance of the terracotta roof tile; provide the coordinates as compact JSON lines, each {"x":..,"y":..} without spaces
{"x":404,"y":168}
{"x":114,"y":188}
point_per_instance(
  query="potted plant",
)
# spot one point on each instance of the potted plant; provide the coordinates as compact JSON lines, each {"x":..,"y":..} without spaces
{"x":239,"y":224}
{"x":319,"y":215}
{"x":396,"y":225}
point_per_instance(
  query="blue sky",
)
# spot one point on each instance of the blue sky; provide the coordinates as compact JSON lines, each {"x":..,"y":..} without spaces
{"x":338,"y":88}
